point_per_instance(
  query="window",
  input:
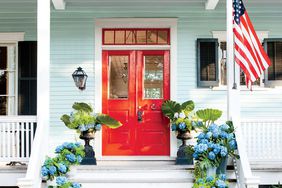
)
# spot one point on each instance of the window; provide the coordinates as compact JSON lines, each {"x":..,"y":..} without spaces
{"x":207,"y":63}
{"x":7,"y":79}
{"x":273,"y":75}
{"x":136,"y":36}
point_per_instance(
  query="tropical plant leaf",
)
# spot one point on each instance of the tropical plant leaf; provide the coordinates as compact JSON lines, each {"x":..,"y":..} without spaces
{"x":188,"y":106}
{"x":81,"y":106}
{"x":66,"y":119}
{"x":108,"y":121}
{"x":169,"y":108}
{"x":209,"y":114}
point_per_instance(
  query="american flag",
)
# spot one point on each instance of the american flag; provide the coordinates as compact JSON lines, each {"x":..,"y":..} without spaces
{"x":249,"y":53}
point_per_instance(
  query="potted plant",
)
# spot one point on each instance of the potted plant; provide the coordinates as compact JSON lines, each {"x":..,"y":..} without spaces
{"x":214,"y":143}
{"x":211,"y":181}
{"x":86,"y":123}
{"x":181,"y":121}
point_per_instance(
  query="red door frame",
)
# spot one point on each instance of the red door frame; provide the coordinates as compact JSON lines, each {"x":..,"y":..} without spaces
{"x":135,"y":96}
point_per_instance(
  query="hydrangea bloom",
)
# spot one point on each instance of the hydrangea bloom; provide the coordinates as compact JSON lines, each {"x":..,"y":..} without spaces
{"x":200,"y":181}
{"x":176,"y":115}
{"x":79,"y":158}
{"x":204,"y":141}
{"x":220,"y":184}
{"x":52,"y":170}
{"x":98,"y":127}
{"x":71,"y":157}
{"x":44,"y":171}
{"x":232,"y":144}
{"x":182,"y":115}
{"x":211,"y":155}
{"x":222,"y":177}
{"x":224,"y":127}
{"x":182,"y":126}
{"x":208,"y":135}
{"x":201,"y":136}
{"x":59,"y":149}
{"x":209,"y":178}
{"x":223,"y":134}
{"x":75,"y":185}
{"x":223,"y":151}
{"x":173,"y":127}
{"x":62,"y":168}
{"x":61,"y":180}
{"x":201,"y":148}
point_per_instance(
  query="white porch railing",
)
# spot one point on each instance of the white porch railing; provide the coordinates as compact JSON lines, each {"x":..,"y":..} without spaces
{"x":16,"y":137}
{"x":263,"y":140}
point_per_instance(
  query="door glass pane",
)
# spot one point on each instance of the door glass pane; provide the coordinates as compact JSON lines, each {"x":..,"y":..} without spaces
{"x":118,"y":77}
{"x":119,"y":37}
{"x":153,"y":77}
{"x":163,"y":37}
{"x":109,"y":37}
{"x":141,"y":37}
{"x":152,"y":36}
{"x":3,"y":82}
{"x":130,"y":37}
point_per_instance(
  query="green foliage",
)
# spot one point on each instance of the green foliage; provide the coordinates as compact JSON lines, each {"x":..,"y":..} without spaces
{"x":109,"y":121}
{"x":169,"y":108}
{"x":277,"y":186}
{"x":188,"y":106}
{"x":209,"y":115}
{"x":81,"y":106}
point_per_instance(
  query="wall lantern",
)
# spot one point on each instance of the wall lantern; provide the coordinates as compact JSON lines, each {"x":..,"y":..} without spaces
{"x":79,"y":78}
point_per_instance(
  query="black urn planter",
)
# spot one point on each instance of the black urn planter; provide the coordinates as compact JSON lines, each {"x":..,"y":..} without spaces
{"x":89,"y":158}
{"x":183,"y":158}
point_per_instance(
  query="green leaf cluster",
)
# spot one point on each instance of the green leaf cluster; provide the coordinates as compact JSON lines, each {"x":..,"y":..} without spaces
{"x":208,"y":115}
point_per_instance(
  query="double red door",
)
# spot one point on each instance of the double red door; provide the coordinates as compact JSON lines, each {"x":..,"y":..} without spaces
{"x":135,"y":83}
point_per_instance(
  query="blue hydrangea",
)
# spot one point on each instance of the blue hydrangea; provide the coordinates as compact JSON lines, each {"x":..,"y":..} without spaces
{"x":209,"y":179}
{"x":222,"y":177}
{"x":211,"y":155}
{"x":71,"y":157}
{"x":215,"y":133}
{"x":65,"y":144}
{"x":230,"y":136}
{"x":212,"y":127}
{"x":201,"y":136}
{"x":200,"y":123}
{"x":61,"y":180}
{"x":204,"y":141}
{"x":200,"y":181}
{"x":216,"y":148}
{"x":232,"y":144}
{"x":77,"y":144}
{"x":70,"y":146}
{"x":224,"y":127}
{"x":210,"y":145}
{"x":173,"y":127}
{"x":194,"y":124}
{"x":59,"y":149}
{"x":220,"y":184}
{"x":62,"y":168}
{"x":208,"y":135}
{"x":223,"y":134}
{"x":176,"y":115}
{"x":182,"y":115}
{"x":52,"y":170}
{"x":98,"y":127}
{"x":195,"y":155}
{"x":75,"y":185}
{"x":200,"y":148}
{"x":79,"y":158}
{"x":82,"y":128}
{"x":182,"y":126}
{"x":44,"y":171}
{"x":223,"y":151}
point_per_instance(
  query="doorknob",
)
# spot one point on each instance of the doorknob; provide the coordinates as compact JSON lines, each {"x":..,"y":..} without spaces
{"x":153,"y":106}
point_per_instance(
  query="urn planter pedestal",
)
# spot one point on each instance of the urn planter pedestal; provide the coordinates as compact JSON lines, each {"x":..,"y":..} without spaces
{"x":89,"y":158}
{"x":182,"y":157}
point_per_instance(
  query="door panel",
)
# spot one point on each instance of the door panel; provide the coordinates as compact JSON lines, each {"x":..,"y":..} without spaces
{"x":136,"y":82}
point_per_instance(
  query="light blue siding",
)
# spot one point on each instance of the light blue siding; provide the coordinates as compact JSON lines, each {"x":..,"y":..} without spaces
{"x":72,"y":45}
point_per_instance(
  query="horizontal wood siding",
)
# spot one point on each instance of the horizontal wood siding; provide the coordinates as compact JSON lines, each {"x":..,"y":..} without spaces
{"x":72,"y":45}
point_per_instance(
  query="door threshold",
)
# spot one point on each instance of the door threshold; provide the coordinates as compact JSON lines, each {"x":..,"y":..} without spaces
{"x":136,"y":158}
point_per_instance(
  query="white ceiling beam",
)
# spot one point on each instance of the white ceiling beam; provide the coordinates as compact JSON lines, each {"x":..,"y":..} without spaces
{"x":211,"y":4}
{"x":59,"y":4}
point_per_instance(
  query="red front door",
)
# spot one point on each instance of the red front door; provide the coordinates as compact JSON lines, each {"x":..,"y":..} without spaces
{"x":135,"y":83}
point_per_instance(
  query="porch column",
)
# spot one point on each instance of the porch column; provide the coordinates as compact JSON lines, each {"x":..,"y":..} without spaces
{"x":40,"y":144}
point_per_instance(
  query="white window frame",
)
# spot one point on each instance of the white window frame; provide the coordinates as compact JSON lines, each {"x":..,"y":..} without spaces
{"x":221,"y":36}
{"x":8,"y":40}
{"x":134,"y":23}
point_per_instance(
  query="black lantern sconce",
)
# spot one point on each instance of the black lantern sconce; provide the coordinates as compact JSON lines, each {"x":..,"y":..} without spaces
{"x":79,"y":78}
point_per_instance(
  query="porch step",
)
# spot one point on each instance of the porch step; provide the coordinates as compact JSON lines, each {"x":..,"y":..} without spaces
{"x":10,"y":174}
{"x":137,"y":174}
{"x":270,"y":172}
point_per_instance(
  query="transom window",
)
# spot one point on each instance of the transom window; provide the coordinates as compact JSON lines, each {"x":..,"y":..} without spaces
{"x":128,"y":36}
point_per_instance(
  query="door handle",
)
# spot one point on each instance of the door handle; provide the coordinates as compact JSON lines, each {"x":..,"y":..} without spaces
{"x":140,"y":113}
{"x":153,"y":106}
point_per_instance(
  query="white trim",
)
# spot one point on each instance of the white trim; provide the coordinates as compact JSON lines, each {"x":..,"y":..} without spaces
{"x":136,"y":158}
{"x":11,"y":37}
{"x":59,"y":4}
{"x":136,"y":47}
{"x":134,"y":23}
{"x":211,"y":4}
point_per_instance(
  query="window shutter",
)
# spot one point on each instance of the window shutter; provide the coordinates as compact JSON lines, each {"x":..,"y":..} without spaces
{"x":207,"y":62}
{"x":273,"y":75}
{"x":27,"y":77}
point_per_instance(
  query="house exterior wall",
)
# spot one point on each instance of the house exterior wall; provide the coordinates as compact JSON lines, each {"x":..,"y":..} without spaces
{"x":72,"y":45}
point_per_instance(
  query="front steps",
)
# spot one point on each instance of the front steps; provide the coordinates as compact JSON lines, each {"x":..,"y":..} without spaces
{"x":137,"y":174}
{"x":10,"y":174}
{"x":270,"y":172}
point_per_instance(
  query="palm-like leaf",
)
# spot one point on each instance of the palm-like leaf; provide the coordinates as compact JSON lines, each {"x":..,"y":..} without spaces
{"x":209,"y":114}
{"x":108,"y":121}
{"x":188,"y":106}
{"x":169,"y":108}
{"x":81,"y":106}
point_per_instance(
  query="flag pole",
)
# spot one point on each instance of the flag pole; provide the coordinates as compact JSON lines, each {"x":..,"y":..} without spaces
{"x":233,"y":100}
